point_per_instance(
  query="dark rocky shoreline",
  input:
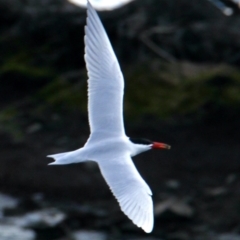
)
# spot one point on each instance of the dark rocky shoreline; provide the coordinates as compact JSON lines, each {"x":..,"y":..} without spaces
{"x":188,"y":98}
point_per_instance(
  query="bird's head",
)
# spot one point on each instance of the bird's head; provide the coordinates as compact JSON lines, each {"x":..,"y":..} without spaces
{"x":142,"y":145}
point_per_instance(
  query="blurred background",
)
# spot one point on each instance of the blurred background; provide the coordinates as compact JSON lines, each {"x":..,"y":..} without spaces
{"x":181,"y":63}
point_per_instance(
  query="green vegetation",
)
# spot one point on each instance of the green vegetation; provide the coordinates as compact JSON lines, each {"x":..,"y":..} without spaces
{"x":21,"y":63}
{"x":154,"y":89}
{"x":9,"y":124}
{"x":168,"y":91}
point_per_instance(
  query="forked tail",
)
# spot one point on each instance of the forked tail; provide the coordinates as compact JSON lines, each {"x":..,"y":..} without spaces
{"x":67,"y":157}
{"x":59,"y":158}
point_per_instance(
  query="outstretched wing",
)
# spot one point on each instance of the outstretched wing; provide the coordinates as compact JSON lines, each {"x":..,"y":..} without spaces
{"x":105,"y":84}
{"x":130,"y":190}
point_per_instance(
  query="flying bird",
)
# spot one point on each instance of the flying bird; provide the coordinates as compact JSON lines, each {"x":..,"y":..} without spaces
{"x":108,"y":144}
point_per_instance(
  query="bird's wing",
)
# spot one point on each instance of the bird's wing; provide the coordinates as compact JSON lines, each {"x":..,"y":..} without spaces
{"x":105,"y":84}
{"x":130,"y":190}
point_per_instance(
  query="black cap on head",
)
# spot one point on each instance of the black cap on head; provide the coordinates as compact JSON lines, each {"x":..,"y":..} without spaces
{"x":143,"y":141}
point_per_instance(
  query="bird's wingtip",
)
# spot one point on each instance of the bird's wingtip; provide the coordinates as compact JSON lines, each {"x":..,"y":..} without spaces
{"x":51,"y":156}
{"x":52,"y":163}
{"x":147,"y":229}
{"x":89,"y":4}
{"x":148,"y":226}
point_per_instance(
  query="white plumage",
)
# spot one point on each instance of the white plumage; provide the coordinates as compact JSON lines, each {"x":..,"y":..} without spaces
{"x":105,"y":84}
{"x":108,"y":145}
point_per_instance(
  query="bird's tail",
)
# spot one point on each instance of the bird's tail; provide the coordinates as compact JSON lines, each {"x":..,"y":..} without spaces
{"x":76,"y":156}
{"x":67,"y":158}
{"x":60,"y":158}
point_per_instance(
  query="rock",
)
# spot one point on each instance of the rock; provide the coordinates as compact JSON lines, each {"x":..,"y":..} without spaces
{"x":176,"y":206}
{"x":146,"y":238}
{"x":86,"y":235}
{"x":35,"y":127}
{"x":216,"y":191}
{"x":172,"y":183}
{"x":215,"y":236}
{"x":228,"y":236}
{"x":7,"y":201}
{"x":8,"y":232}
{"x":47,"y":217}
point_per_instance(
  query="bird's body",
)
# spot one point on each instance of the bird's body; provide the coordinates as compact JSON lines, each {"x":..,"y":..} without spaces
{"x":108,"y":144}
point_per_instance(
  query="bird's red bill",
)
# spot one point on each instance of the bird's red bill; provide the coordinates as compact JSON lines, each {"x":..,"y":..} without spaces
{"x":157,"y":145}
